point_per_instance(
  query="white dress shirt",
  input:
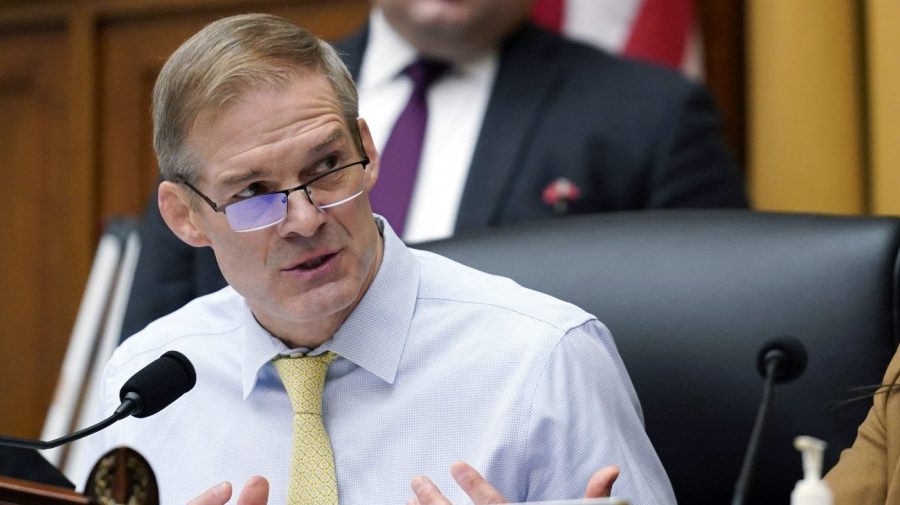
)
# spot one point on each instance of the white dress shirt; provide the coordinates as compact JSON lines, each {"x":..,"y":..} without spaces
{"x":437,"y":363}
{"x":456,"y":106}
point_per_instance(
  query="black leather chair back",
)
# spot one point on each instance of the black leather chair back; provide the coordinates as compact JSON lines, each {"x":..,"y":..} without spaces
{"x":690,"y":296}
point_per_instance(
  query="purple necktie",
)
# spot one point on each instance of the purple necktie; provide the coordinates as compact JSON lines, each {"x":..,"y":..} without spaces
{"x":400,"y":158}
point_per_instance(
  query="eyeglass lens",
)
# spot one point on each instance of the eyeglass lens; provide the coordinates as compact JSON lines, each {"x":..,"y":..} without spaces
{"x":258,"y":212}
{"x":265,"y":210}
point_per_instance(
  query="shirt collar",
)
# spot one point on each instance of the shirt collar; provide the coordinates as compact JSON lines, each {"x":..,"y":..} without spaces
{"x":373,"y":336}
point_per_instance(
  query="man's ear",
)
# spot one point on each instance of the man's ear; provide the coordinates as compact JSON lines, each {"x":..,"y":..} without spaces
{"x":368,"y":145}
{"x":175,"y":207}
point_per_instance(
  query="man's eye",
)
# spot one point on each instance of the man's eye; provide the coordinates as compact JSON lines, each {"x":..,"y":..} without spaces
{"x":325,"y":165}
{"x":253,"y":189}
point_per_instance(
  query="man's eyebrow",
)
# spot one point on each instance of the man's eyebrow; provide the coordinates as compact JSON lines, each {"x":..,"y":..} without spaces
{"x":336,"y":134}
{"x":240,"y":178}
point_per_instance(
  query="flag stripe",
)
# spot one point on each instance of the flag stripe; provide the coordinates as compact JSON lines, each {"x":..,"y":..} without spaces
{"x":604,"y":23}
{"x":549,"y":14}
{"x":660,"y":32}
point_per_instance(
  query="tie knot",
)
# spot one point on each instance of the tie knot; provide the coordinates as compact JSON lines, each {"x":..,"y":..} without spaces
{"x":304,"y":380}
{"x":423,"y":72}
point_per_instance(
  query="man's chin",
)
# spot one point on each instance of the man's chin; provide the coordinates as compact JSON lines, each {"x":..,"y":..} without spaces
{"x":321,"y":302}
{"x":442,"y":14}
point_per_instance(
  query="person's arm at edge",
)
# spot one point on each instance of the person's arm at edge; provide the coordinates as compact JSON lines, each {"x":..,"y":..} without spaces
{"x":860,"y":476}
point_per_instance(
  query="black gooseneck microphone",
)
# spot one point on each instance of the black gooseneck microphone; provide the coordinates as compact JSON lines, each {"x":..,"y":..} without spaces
{"x":147,"y":392}
{"x":780,"y":360}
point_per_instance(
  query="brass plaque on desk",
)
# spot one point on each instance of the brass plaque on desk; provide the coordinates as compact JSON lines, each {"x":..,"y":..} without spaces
{"x":122,"y":477}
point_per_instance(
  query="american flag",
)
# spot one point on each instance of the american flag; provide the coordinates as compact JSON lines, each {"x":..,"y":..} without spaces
{"x":660,"y":31}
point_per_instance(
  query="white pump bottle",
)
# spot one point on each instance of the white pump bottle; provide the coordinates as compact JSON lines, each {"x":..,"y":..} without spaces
{"x":812,"y":490}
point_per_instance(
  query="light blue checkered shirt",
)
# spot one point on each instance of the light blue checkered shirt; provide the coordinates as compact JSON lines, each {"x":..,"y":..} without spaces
{"x":438,"y":363}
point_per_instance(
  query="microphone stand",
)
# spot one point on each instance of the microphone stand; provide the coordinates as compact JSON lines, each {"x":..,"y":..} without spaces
{"x":129,"y":406}
{"x":742,"y":486}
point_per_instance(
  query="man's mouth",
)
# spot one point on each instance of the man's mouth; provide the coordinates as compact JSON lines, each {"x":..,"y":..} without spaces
{"x":316,"y":262}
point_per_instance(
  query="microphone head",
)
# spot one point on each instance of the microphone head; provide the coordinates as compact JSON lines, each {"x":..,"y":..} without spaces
{"x":789,"y":354}
{"x":160,"y":383}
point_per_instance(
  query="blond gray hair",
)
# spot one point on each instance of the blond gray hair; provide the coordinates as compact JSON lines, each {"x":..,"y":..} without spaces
{"x":224,"y":61}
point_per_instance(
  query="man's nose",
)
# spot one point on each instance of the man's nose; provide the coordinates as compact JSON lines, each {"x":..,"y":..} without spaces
{"x":302,"y":216}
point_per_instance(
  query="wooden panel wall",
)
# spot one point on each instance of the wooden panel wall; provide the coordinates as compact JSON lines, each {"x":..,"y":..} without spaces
{"x":724,"y":57}
{"x":45,"y":222}
{"x":75,"y":81}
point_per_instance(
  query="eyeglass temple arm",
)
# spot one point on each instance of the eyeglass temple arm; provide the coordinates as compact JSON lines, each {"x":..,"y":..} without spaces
{"x":205,"y":198}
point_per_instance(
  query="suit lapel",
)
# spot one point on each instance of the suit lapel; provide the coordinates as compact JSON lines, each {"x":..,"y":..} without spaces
{"x":527,"y":73}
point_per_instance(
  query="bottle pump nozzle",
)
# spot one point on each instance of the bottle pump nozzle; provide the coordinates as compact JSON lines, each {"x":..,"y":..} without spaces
{"x":812,"y":490}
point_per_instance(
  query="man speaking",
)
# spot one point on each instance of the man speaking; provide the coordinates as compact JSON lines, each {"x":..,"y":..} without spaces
{"x":338,"y":365}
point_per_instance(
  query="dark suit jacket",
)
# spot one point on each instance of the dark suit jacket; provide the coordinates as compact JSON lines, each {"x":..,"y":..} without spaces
{"x":628,"y":135}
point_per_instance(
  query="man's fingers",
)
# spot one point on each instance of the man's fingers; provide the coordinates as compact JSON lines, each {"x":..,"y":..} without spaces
{"x":255,"y":492}
{"x":601,"y":483}
{"x":426,"y":493}
{"x":474,"y":485}
{"x":216,"y":495}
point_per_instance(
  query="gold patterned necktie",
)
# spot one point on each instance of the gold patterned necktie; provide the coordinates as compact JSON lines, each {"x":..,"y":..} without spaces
{"x":313,"y":480}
